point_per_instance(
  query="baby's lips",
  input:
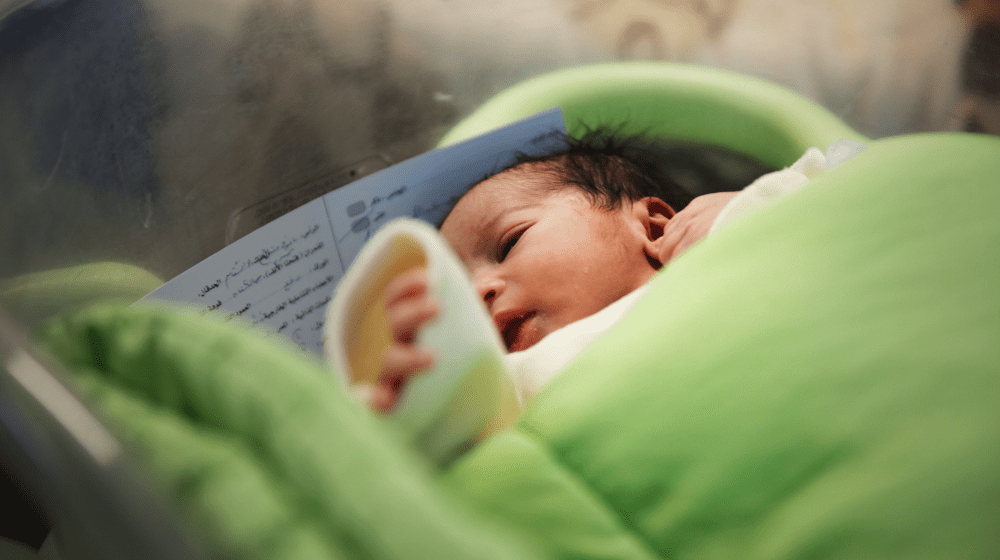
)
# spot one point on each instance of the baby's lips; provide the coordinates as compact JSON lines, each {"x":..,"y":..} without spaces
{"x":521,"y":333}
{"x":504,"y":322}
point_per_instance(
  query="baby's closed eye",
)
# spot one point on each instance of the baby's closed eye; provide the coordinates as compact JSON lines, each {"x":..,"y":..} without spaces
{"x":508,"y":242}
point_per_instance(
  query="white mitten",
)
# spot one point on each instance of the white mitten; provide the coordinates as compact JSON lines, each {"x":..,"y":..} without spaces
{"x":468,"y":394}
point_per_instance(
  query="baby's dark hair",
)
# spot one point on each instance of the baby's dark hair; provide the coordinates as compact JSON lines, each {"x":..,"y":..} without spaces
{"x":610,"y":168}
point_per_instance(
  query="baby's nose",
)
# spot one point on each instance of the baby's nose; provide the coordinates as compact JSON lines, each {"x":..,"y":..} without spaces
{"x":489,"y":287}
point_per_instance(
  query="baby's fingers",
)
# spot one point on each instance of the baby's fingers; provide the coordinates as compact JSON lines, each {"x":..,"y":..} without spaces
{"x":406,"y":316}
{"x":399,"y":363}
{"x":677,"y":237}
{"x":404,"y":360}
{"x":410,"y":284}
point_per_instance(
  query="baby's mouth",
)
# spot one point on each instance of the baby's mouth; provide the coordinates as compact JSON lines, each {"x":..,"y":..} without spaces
{"x":515,"y":333}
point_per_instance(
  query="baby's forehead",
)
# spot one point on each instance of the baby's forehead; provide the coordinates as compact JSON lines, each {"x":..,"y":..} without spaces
{"x":534,"y":180}
{"x":509,"y":190}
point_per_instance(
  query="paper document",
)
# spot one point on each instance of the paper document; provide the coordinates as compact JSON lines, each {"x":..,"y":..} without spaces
{"x":281,"y":276}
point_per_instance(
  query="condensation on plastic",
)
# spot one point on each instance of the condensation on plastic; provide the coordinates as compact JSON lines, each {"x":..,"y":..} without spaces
{"x":145,"y":131}
{"x":133,"y":130}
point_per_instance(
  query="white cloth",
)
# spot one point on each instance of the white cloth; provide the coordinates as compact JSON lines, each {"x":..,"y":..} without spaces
{"x":537,"y":366}
{"x":770,"y":188}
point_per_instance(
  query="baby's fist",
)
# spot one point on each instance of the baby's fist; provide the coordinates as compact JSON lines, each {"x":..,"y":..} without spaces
{"x":692,"y":223}
{"x":409,"y":306}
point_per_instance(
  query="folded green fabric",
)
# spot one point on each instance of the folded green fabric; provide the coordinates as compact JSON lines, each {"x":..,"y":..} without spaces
{"x":255,"y":445}
{"x":819,"y":381}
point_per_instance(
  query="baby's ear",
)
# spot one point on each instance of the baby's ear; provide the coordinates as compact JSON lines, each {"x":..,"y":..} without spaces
{"x":653,"y":214}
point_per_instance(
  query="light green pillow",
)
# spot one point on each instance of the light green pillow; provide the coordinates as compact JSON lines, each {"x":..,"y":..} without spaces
{"x":819,"y":381}
{"x":37,"y":296}
{"x":671,"y":101}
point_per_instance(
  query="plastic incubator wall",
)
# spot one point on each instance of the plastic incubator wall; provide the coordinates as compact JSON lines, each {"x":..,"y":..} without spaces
{"x":132,"y":131}
{"x":137,"y":131}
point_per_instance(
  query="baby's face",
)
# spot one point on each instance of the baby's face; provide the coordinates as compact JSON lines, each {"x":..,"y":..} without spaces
{"x":544,"y":258}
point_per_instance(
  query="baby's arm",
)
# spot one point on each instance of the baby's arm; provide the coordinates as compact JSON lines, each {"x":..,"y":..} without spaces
{"x":409,"y":306}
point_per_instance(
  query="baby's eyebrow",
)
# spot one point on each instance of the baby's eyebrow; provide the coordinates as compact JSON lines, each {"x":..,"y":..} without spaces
{"x":492,"y":224}
{"x":484,"y":242}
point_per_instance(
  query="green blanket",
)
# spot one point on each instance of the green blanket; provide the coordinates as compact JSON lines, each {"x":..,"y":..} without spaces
{"x":821,"y":380}
{"x":256,"y":447}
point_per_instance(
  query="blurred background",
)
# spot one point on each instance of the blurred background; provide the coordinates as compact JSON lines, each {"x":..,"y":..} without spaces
{"x":132,"y":130}
{"x":135,"y":130}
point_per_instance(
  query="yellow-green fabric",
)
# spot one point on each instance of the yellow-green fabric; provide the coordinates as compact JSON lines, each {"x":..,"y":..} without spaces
{"x":670,"y":101}
{"x":819,"y":381}
{"x":256,"y":447}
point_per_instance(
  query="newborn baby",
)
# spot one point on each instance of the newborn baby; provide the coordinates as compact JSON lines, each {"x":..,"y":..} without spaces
{"x":554,"y":240}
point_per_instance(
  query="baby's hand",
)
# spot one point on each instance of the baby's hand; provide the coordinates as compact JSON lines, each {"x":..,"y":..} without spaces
{"x":409,"y":306}
{"x":692,"y":223}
